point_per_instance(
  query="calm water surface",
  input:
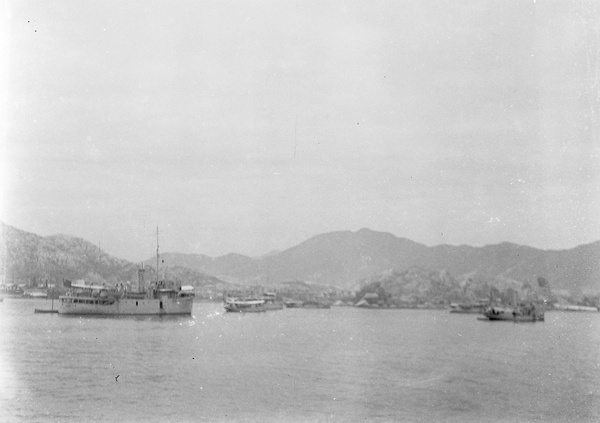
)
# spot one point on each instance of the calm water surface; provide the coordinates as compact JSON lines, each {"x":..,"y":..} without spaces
{"x":341,"y":364}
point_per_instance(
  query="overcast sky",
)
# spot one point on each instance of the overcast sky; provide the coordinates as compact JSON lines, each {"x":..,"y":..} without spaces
{"x":250,"y":126}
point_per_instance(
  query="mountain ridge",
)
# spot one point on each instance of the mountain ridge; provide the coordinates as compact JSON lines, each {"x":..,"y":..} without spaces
{"x":344,"y":259}
{"x":30,"y":259}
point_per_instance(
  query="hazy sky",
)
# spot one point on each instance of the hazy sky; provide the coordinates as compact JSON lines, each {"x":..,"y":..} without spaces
{"x":248,"y":126}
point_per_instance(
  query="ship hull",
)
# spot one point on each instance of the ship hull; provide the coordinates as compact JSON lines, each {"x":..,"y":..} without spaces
{"x":274,"y":306}
{"x":125,"y":307}
{"x":513,"y":315}
{"x":235,"y":305}
{"x":467,"y":310}
{"x":245,"y":310}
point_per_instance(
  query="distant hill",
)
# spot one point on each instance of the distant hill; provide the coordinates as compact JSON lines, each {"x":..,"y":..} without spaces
{"x":343,"y":259}
{"x":419,"y":286}
{"x":33,"y":260}
{"x":346,"y":258}
{"x":575,"y":270}
{"x":230,"y":268}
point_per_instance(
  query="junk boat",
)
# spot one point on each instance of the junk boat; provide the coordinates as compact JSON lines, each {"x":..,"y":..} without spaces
{"x":244,"y":305}
{"x":160,"y":298}
{"x":271,"y":301}
{"x":521,"y":313}
{"x":293,"y":303}
{"x":472,"y":308}
{"x":315,"y":304}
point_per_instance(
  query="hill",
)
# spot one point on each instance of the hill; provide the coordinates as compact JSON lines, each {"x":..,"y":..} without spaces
{"x":416,"y":286}
{"x":35,"y":260}
{"x":346,"y":258}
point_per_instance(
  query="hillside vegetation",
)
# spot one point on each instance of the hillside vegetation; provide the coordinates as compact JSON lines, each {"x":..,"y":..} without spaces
{"x":35,"y":261}
{"x":341,"y":262}
{"x":421,"y":286}
{"x":345,"y":259}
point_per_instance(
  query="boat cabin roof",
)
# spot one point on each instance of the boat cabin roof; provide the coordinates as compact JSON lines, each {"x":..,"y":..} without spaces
{"x":247,"y":302}
{"x":84,"y":286}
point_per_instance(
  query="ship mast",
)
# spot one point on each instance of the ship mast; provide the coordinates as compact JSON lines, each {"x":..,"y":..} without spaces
{"x":141,"y":277}
{"x":156,"y":255}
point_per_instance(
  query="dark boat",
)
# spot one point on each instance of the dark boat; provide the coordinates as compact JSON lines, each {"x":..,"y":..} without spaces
{"x":271,"y":301}
{"x":43,"y":310}
{"x":520,"y":313}
{"x":293,"y":303}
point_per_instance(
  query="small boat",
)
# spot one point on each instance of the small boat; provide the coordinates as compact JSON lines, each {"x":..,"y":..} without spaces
{"x":43,"y":310}
{"x":244,"y":305}
{"x":522,"y":313}
{"x":271,"y":301}
{"x":11,"y":291}
{"x":316,"y":304}
{"x":35,"y":294}
{"x":571,"y":307}
{"x":469,"y":308}
{"x":293,"y":303}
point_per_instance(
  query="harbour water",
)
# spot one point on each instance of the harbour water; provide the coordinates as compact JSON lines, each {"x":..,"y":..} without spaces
{"x":329,"y":365}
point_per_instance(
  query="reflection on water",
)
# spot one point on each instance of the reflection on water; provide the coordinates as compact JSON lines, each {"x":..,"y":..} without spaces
{"x":339,"y":364}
